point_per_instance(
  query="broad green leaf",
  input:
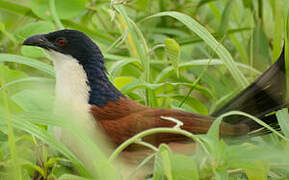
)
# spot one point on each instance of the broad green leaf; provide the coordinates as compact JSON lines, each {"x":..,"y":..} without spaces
{"x":173,"y":52}
{"x":65,"y":9}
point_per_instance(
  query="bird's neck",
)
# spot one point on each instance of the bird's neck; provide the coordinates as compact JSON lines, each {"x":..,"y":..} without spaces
{"x":82,"y":84}
{"x":101,"y":89}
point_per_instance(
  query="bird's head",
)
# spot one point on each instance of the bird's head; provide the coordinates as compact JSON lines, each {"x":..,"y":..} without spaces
{"x":79,"y":65}
{"x":69,"y":42}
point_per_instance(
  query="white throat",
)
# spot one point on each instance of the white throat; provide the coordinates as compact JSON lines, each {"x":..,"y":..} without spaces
{"x":71,"y":80}
{"x":71,"y":91}
{"x":72,"y":94}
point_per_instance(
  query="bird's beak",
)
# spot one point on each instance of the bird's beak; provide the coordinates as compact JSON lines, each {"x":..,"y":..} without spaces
{"x":39,"y":40}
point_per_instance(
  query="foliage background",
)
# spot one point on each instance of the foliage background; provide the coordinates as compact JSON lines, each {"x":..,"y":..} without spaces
{"x":194,"y":57}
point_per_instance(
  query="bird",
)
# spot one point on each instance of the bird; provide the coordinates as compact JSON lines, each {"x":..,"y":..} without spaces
{"x":82,"y":82}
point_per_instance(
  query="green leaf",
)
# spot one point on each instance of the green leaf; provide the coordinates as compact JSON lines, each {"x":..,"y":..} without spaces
{"x":8,"y":75}
{"x":173,"y":52}
{"x":31,"y":51}
{"x":168,"y":71}
{"x":49,"y":139}
{"x":71,"y":176}
{"x":140,"y":84}
{"x":247,"y":3}
{"x":166,"y":162}
{"x":278,"y":29}
{"x":214,"y":131}
{"x":141,"y":50}
{"x":31,"y":29}
{"x":184,"y":167}
{"x":194,"y":103}
{"x":260,"y":48}
{"x":122,"y":81}
{"x":65,"y":9}
{"x":258,"y":172}
{"x":142,"y":4}
{"x":31,"y":100}
{"x":204,"y":2}
{"x":13,"y":107}
{"x":2,"y":27}
{"x":15,"y":8}
{"x":223,"y":28}
{"x":33,"y":166}
{"x":283,"y":119}
{"x":29,"y":62}
{"x":34,"y":28}
{"x":221,"y":175}
{"x":201,"y":31}
{"x":175,"y":166}
{"x":121,"y":63}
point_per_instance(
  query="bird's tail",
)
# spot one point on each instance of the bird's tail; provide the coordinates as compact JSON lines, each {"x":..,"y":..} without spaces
{"x":263,"y":97}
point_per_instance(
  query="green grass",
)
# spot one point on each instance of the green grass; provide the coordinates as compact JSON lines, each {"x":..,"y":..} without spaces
{"x":192,"y":55}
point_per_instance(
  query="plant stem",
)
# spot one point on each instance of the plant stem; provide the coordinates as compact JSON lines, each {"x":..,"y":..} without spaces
{"x":148,"y":132}
{"x":11,"y":137}
{"x":54,"y":14}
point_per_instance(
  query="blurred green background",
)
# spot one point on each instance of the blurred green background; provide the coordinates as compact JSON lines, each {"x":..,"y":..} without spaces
{"x":192,"y":55}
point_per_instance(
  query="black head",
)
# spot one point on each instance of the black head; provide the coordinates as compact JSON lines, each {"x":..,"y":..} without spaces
{"x":85,"y":51}
{"x":69,"y":42}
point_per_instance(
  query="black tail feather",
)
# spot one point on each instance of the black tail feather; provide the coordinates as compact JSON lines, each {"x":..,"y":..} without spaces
{"x":262,"y":97}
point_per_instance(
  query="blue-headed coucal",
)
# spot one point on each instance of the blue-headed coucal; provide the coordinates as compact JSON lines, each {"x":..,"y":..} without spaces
{"x":81,"y":80}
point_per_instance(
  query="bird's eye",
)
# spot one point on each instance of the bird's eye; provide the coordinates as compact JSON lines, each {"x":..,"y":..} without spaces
{"x":61,"y":42}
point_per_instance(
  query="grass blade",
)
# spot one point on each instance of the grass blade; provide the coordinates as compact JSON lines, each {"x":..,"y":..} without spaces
{"x":283,"y":119}
{"x":222,"y":52}
{"x":29,"y":62}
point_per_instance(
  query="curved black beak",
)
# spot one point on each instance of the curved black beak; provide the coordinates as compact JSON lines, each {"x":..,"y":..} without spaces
{"x":38,"y":40}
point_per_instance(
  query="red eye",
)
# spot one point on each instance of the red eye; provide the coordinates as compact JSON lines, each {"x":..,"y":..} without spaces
{"x":61,"y":42}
